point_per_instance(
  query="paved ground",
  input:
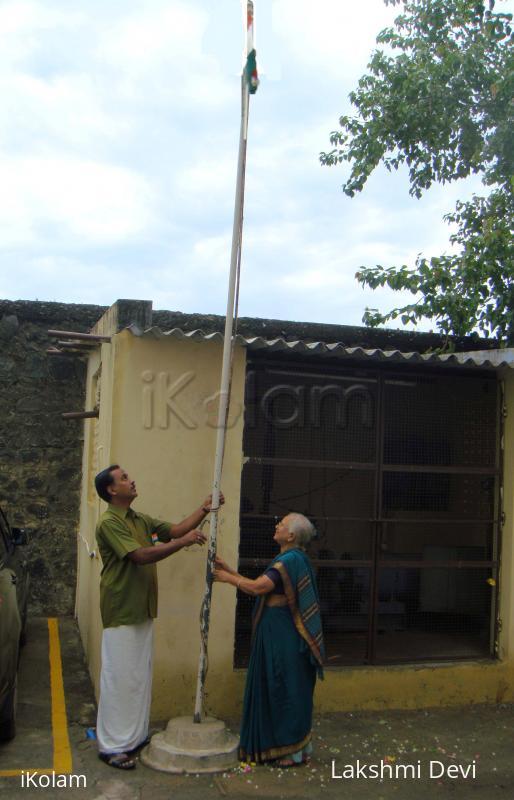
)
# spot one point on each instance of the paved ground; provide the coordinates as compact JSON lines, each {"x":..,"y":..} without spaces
{"x":478,"y":739}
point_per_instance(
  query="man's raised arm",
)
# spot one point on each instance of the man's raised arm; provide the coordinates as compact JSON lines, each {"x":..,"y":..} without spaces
{"x":152,"y":554}
{"x":193,"y":520}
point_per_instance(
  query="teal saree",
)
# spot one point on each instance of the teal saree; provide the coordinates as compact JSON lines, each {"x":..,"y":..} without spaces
{"x":287,"y":655}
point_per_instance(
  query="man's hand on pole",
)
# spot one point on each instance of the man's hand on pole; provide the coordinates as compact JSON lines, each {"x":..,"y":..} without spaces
{"x":207,"y":503}
{"x":194,"y":537}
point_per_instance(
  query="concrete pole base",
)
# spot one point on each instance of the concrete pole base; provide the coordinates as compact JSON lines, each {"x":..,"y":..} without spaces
{"x":187,"y":746}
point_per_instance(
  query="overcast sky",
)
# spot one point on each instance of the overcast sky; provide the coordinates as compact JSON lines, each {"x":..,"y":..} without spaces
{"x":119,"y":127}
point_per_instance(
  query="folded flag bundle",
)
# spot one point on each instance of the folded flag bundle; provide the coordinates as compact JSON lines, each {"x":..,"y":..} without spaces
{"x":250,"y":69}
{"x":251,"y":72}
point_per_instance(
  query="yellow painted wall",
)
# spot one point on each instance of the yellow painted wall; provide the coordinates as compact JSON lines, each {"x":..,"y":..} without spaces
{"x":96,"y":455}
{"x":170,"y":453}
{"x":169,"y":450}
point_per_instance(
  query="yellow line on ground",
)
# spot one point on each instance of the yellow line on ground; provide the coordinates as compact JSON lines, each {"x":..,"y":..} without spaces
{"x":13,"y":773}
{"x":62,"y":750}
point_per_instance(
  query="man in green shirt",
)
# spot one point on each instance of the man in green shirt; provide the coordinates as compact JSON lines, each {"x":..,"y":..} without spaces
{"x":130,"y":544}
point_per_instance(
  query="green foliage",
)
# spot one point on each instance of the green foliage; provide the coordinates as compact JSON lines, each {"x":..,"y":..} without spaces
{"x":444,"y":107}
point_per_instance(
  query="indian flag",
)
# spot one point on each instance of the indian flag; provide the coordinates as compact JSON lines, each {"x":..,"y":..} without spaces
{"x":250,"y":69}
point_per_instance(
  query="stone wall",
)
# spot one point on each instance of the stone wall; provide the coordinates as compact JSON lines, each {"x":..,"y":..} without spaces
{"x":41,"y":454}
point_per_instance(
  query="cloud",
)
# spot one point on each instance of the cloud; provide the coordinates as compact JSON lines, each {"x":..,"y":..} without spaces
{"x":212,"y":255}
{"x":328,"y":35}
{"x":66,"y":109}
{"x":206,"y":184}
{"x":119,"y":130}
{"x":24,"y":26}
{"x":157,"y":52}
{"x":162,"y":31}
{"x":54,"y":198}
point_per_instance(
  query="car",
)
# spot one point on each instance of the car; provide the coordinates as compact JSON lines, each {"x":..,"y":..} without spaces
{"x":14,"y":588}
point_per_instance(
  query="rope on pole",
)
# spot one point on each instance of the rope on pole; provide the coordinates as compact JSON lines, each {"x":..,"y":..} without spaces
{"x":249,"y":83}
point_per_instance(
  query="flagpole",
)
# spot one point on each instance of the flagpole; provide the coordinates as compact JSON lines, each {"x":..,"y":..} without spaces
{"x":224,"y":393}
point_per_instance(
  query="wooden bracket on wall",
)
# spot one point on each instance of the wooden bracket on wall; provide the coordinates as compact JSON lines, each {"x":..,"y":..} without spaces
{"x":86,"y":337}
{"x":80,"y":414}
{"x":70,"y":349}
{"x":78,"y":345}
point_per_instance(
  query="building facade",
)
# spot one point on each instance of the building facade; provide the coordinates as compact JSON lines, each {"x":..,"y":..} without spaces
{"x":401,"y":460}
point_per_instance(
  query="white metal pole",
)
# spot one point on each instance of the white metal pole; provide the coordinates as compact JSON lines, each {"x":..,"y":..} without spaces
{"x":224,"y":397}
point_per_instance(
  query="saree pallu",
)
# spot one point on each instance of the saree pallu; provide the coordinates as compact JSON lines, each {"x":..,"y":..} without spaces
{"x":284,"y":662}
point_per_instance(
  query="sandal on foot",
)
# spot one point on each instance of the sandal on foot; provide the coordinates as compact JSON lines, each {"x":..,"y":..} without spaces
{"x":117,"y":760}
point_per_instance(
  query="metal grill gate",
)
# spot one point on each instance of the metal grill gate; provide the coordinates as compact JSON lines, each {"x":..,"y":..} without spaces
{"x":400,"y":473}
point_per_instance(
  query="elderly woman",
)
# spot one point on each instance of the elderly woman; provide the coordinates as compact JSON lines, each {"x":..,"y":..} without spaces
{"x":287,"y":649}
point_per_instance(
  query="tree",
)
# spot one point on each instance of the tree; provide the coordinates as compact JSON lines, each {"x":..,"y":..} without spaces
{"x":444,"y":107}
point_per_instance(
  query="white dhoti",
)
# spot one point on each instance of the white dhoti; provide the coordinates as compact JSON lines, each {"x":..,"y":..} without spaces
{"x":125,"y":687}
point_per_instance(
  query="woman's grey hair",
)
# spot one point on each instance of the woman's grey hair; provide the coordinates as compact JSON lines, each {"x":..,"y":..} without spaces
{"x":302,"y":528}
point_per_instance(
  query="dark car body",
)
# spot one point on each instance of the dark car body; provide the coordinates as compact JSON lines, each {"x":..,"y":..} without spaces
{"x":14,"y":584}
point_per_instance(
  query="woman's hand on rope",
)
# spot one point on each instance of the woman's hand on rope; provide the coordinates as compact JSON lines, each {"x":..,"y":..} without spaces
{"x":220,"y":564}
{"x":221,"y":575}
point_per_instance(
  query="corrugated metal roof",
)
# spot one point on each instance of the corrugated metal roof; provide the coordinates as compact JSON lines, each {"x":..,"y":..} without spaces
{"x":337,"y":350}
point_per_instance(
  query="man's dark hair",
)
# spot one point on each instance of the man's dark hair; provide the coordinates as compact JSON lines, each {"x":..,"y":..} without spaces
{"x":103,"y":480}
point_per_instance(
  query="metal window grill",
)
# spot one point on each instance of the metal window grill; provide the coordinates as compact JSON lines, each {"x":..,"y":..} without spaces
{"x":400,"y":474}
